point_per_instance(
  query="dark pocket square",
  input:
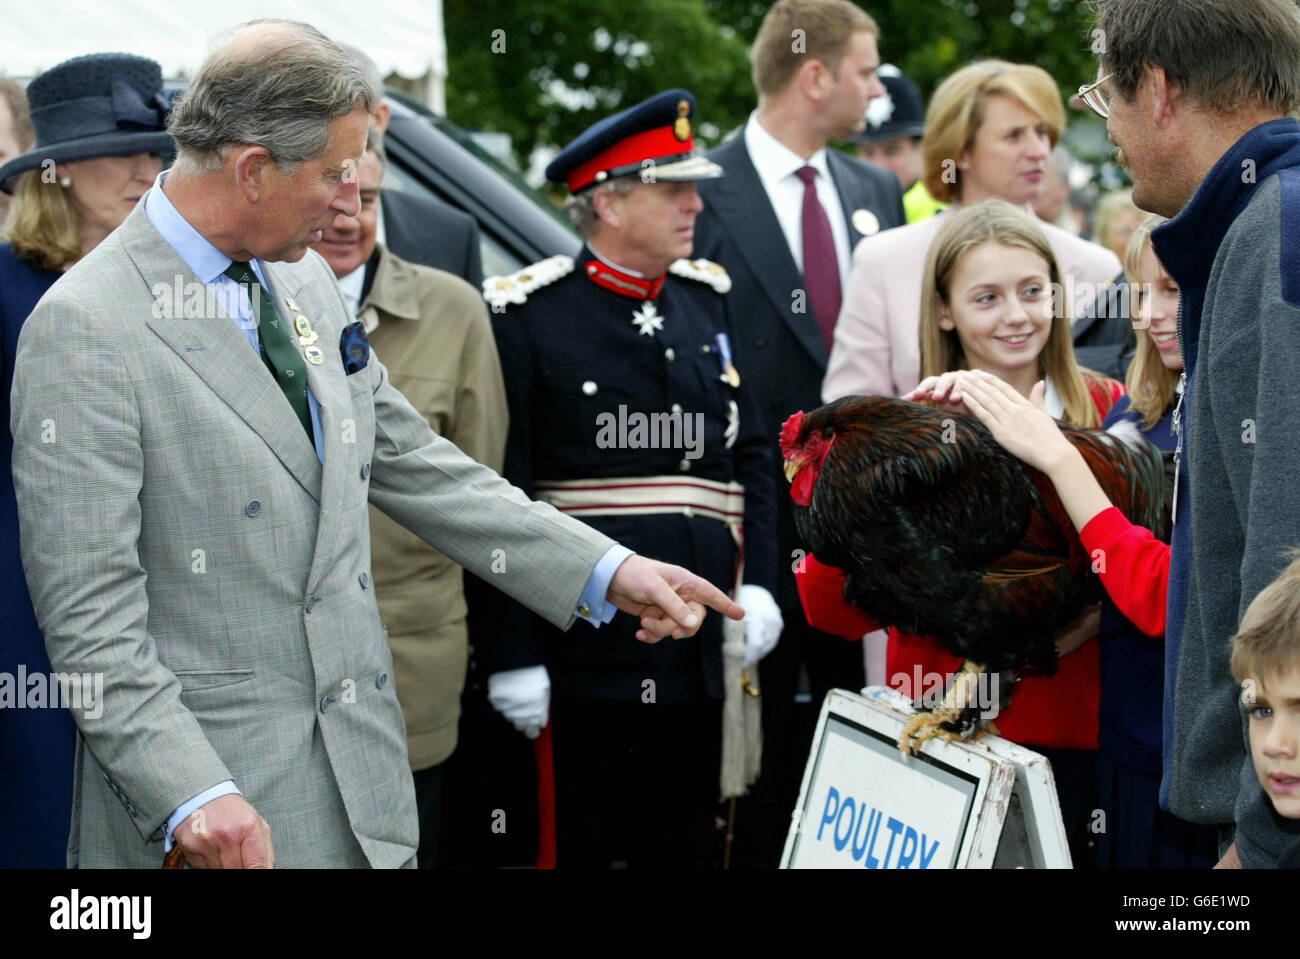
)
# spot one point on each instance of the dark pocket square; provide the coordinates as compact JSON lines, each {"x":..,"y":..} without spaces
{"x":354,"y":348}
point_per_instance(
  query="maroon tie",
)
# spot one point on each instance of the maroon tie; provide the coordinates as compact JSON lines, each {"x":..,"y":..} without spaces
{"x":821,"y":267}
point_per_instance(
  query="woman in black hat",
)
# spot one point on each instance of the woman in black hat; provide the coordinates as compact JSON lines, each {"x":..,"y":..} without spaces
{"x":100,"y":131}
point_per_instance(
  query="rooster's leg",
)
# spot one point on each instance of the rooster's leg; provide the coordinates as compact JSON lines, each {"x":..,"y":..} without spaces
{"x":948,"y":718}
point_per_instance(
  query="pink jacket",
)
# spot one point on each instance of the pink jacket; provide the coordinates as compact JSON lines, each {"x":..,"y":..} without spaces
{"x":877,"y":347}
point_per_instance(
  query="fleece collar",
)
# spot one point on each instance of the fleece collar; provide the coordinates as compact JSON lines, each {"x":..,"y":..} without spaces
{"x":1188,"y":244}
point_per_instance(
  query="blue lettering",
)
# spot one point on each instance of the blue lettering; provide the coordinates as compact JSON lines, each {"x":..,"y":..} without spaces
{"x":872,"y":862}
{"x":895,"y":827}
{"x":927,"y":856}
{"x":828,"y":814}
{"x":847,"y":806}
{"x":857,"y":830}
{"x":907,"y":852}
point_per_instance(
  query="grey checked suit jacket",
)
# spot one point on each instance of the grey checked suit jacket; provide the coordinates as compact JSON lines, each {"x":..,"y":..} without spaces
{"x":181,"y":538}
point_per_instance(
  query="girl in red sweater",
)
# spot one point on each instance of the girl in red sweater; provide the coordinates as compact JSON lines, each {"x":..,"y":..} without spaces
{"x":991,"y":302}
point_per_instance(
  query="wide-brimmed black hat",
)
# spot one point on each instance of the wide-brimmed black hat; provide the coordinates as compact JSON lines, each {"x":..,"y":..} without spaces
{"x":99,"y":105}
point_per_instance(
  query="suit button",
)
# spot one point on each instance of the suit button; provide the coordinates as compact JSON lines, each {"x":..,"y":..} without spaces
{"x":311,"y":603}
{"x":688,"y":512}
{"x":706,"y":348}
{"x":684,"y":465}
{"x":130,"y":810}
{"x":677,"y":409}
{"x":326,"y":702}
{"x":670,"y":354}
{"x":365,"y":471}
{"x":589,"y":388}
{"x":381,"y":681}
{"x":253,"y":508}
{"x":364,"y":580}
{"x":760,"y":341}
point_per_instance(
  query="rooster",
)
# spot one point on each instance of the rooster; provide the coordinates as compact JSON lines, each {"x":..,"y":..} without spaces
{"x":943,"y":533}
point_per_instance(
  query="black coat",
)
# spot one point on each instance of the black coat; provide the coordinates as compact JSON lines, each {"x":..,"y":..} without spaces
{"x":1106,"y":343}
{"x":570,"y":354}
{"x":781,"y":352}
{"x":423,"y":230}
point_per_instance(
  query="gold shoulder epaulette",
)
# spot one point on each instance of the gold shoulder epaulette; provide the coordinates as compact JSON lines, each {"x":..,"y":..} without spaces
{"x":515,"y":287}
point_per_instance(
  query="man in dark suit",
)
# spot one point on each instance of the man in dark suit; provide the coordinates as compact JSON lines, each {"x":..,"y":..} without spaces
{"x":426,"y":231}
{"x":783,"y":223}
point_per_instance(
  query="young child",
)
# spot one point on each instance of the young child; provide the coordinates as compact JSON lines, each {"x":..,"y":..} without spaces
{"x":1266,"y":661}
{"x":1135,"y":573}
{"x":988,"y":303}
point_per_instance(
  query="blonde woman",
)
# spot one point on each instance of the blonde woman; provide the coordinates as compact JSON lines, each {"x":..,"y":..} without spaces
{"x":1136,"y":574}
{"x":1115,"y":220}
{"x":990,"y":131}
{"x":99,"y":132}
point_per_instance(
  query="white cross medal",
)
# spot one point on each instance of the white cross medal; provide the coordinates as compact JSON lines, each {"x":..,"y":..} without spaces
{"x":733,"y":425}
{"x":647,"y":319}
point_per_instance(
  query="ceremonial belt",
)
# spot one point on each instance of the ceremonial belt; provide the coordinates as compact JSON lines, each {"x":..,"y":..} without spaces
{"x":648,"y":496}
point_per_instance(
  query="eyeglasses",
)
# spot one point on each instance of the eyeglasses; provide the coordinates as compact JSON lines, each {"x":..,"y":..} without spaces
{"x":1094,"y":99}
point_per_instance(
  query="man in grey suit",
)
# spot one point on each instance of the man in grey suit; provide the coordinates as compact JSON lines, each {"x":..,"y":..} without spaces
{"x":193,"y":456}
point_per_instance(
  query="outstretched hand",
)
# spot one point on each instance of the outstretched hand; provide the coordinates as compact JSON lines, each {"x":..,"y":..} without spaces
{"x":1022,"y":427}
{"x":669,"y":600}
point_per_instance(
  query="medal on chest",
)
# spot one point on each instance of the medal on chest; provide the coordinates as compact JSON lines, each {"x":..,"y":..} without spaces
{"x":729,"y":374}
{"x":648,"y":320}
{"x":733,"y":425}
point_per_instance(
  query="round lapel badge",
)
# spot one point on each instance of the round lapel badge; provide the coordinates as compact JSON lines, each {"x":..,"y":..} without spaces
{"x":865,"y":222}
{"x":302,"y":325}
{"x":314,"y":355}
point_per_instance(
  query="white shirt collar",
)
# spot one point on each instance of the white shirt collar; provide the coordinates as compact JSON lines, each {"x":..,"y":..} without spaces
{"x":614,"y":266}
{"x":351,"y":284}
{"x":1052,"y":400}
{"x":775,"y":161}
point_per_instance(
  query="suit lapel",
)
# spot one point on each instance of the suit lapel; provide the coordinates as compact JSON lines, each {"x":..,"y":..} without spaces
{"x":743,"y":205}
{"x":215,"y":349}
{"x":328,"y":383}
{"x":851,"y":200}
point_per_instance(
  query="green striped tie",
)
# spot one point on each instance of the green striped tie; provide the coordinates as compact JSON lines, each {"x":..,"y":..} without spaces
{"x":278,"y":350}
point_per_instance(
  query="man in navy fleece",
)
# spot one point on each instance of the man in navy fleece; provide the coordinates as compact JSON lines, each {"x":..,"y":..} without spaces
{"x":1197,"y":95}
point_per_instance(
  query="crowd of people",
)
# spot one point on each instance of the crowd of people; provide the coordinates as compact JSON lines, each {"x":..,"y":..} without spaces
{"x":281,"y":558}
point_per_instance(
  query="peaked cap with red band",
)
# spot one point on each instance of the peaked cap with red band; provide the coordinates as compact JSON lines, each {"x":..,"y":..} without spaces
{"x":654,"y":136}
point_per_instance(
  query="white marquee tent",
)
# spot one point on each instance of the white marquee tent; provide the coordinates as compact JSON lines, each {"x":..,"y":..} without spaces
{"x":405,"y":37}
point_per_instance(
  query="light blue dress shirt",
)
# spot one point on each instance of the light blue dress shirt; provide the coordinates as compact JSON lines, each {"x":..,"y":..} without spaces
{"x":209,"y":265}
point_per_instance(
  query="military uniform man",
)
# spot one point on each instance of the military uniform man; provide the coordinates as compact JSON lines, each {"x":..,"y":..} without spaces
{"x":627,"y":411}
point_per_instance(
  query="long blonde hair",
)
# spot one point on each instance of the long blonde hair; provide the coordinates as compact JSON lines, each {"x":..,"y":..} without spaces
{"x":997,"y":221}
{"x":43,"y":226}
{"x":1152,"y":386}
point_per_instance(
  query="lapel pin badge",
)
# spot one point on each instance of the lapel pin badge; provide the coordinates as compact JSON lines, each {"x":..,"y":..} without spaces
{"x":866,"y":222}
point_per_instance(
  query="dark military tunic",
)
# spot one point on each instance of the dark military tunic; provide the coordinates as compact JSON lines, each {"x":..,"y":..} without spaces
{"x":583,"y":365}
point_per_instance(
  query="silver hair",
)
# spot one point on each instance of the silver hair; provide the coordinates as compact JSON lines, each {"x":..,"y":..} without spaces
{"x":581,"y":207}
{"x":367,"y":65}
{"x":280,"y":90}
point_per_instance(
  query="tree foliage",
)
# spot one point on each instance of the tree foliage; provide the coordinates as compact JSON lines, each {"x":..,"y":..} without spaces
{"x":544,"y":70}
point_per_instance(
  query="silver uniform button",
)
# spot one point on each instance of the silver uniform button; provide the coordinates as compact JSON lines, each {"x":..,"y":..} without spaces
{"x":589,"y":387}
{"x":688,"y":512}
{"x":670,"y":354}
{"x":684,"y":465}
{"x":677,"y":408}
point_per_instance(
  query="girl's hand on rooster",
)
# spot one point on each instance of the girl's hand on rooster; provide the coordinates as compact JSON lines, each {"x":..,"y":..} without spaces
{"x":1022,"y":427}
{"x":943,"y":390}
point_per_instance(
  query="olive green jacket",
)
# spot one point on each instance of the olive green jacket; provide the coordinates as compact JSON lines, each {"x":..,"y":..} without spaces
{"x":431,"y":329}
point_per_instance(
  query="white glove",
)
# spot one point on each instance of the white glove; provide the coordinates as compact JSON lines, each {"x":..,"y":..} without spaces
{"x":522,"y":696}
{"x":763,"y":622}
